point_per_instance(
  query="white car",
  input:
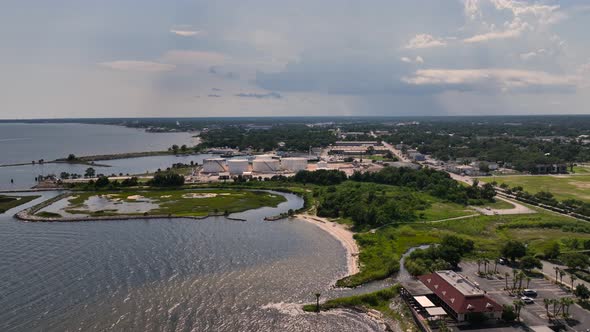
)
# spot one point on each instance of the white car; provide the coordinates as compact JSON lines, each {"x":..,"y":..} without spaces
{"x":527,"y":300}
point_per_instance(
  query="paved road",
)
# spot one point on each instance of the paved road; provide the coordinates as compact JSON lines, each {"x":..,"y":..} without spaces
{"x":549,"y":271}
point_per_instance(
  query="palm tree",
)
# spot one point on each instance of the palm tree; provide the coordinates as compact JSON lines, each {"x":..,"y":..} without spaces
{"x":546,"y":303}
{"x":561,"y":275}
{"x":514,"y":278}
{"x":506,"y":275}
{"x":566,"y":302}
{"x":518,"y":304}
{"x":573,"y":278}
{"x":556,"y":272}
{"x":521,"y":276}
{"x":556,"y":307}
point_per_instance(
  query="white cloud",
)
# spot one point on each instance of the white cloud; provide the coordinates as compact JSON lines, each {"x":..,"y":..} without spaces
{"x":491,"y":79}
{"x":545,"y":14}
{"x":512,"y":30}
{"x":140,"y":66}
{"x":186,"y":33}
{"x":533,"y":54}
{"x":425,"y":41}
{"x":418,"y":59}
{"x":185,"y":57}
{"x":472,"y":9}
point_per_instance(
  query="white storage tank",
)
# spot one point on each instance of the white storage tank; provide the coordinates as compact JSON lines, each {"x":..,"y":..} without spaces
{"x":265,"y":156}
{"x":294,"y":164}
{"x":213,"y":165}
{"x":237,"y":166}
{"x":265,"y":165}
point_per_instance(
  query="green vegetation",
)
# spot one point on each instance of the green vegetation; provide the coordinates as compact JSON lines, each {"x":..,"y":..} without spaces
{"x":443,"y":256}
{"x":378,"y":300}
{"x":296,"y":137}
{"x":177,"y":202}
{"x":9,"y":202}
{"x":381,"y":251}
{"x":46,"y":214}
{"x":166,"y":179}
{"x":562,"y":187}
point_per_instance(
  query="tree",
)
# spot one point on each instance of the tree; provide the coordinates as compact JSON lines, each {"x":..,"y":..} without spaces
{"x":175,"y":148}
{"x":167,"y":179}
{"x":518,"y":304}
{"x":573,"y":278}
{"x":530,"y":262}
{"x":71,"y":157}
{"x":513,"y":249}
{"x":90,"y":172}
{"x":561,"y":275}
{"x":101,"y":182}
{"x":546,"y":303}
{"x":553,"y":251}
{"x":576,"y":260}
{"x":506,"y":275}
{"x":582,"y":292}
{"x":508,"y":314}
{"x":183,"y":148}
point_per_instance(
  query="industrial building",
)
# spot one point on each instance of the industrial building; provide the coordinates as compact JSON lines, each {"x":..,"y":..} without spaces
{"x":459,"y":296}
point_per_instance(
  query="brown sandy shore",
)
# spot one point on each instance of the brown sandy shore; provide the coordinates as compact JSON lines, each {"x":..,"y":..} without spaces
{"x":342,"y":234}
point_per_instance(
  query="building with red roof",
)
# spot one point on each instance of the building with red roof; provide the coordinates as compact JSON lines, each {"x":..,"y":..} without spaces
{"x":460,"y":296}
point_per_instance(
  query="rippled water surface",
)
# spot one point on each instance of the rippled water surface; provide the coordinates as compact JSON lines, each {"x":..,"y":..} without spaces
{"x":170,"y":275}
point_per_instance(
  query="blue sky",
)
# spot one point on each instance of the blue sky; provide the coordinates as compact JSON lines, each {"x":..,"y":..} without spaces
{"x":270,"y":57}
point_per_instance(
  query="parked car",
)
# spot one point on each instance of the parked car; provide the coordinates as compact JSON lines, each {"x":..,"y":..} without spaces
{"x":529,"y":293}
{"x":527,"y":300}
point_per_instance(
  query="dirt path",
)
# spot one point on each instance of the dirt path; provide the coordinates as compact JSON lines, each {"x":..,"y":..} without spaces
{"x":517,"y":209}
{"x":342,"y":234}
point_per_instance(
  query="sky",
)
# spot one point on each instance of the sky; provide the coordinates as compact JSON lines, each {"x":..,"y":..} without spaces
{"x":191,"y":58}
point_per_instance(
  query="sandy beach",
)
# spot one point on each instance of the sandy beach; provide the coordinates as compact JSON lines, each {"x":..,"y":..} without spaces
{"x":342,"y":234}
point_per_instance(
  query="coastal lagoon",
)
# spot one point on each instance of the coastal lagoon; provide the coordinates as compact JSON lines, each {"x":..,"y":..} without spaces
{"x":171,"y":274}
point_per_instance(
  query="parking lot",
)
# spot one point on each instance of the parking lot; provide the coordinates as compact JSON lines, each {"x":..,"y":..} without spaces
{"x":533,"y":314}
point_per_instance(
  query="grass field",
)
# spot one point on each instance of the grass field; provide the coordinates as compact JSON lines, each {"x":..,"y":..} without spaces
{"x":381,"y":251}
{"x":9,"y":202}
{"x":563,"y":186}
{"x":196,"y":203}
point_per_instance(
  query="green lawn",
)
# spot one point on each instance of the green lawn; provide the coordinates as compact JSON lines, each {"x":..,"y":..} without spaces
{"x":178,"y":202}
{"x":563,"y":187}
{"x":9,"y":202}
{"x":381,"y":251}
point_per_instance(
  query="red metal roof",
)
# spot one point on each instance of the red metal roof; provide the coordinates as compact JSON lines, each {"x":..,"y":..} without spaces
{"x":455,"y":299}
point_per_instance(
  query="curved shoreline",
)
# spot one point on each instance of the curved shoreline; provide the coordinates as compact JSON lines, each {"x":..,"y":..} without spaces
{"x":340,"y":233}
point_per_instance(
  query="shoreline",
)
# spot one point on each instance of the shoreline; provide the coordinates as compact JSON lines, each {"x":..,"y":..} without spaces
{"x":340,"y":233}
